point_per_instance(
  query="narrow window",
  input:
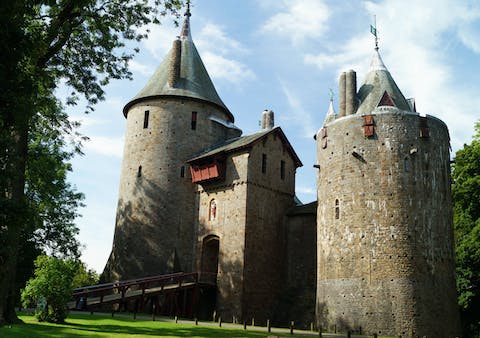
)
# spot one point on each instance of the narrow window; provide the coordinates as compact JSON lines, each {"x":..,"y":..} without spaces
{"x":337,"y":209}
{"x":212,"y":213}
{"x":139,"y":172}
{"x":264,"y":163}
{"x":194,"y":120}
{"x":407,"y":164}
{"x":182,"y":171}
{"x":145,"y":119}
{"x":282,"y":170}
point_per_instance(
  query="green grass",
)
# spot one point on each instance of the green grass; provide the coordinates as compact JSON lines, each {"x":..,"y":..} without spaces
{"x":85,"y":325}
{"x":103,"y":325}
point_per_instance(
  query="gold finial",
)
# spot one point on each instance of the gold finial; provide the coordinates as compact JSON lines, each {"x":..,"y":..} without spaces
{"x":373,"y":30}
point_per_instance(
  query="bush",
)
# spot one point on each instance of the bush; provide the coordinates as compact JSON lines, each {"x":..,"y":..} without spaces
{"x":51,"y":288}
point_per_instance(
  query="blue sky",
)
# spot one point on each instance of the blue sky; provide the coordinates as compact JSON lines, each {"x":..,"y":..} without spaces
{"x":285,"y":56}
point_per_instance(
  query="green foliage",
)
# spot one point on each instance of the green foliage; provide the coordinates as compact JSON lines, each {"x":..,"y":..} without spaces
{"x":466,"y":207}
{"x":84,"y":277}
{"x":84,"y":44}
{"x":51,"y":288}
{"x":52,"y":201}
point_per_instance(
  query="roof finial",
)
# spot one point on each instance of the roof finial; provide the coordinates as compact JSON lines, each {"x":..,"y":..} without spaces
{"x":187,"y":13}
{"x":331,"y":94}
{"x":186,"y":24}
{"x":373,"y":30}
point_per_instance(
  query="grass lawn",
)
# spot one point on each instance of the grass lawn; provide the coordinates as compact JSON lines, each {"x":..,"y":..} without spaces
{"x":86,"y":325}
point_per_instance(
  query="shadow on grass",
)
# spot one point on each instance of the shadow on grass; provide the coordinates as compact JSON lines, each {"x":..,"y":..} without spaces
{"x":93,"y":326}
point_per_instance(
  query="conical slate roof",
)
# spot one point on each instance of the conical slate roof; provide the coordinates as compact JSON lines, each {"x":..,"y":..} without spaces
{"x":377,"y":82}
{"x":193,"y":82}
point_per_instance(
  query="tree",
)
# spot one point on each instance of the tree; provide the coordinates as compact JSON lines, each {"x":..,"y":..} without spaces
{"x":84,"y":277}
{"x":81,"y":42}
{"x":466,"y":201}
{"x":51,"y":288}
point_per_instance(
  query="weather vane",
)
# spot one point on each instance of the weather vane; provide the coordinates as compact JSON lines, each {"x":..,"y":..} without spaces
{"x":187,"y":13}
{"x":373,"y":30}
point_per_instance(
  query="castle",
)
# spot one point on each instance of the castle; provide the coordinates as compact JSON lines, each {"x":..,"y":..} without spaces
{"x":373,"y":254}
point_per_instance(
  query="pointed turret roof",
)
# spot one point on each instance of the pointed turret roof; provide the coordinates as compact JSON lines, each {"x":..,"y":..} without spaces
{"x":193,"y":80}
{"x":331,"y":115}
{"x":377,"y":82}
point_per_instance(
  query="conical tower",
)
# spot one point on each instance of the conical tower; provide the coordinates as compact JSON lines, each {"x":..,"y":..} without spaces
{"x":176,"y":115}
{"x":384,"y":218}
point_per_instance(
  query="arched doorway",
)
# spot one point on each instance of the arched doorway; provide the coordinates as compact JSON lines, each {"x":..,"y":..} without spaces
{"x":209,"y":267}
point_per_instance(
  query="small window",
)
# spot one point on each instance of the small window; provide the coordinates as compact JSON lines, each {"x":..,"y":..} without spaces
{"x":139,"y":172}
{"x":282,"y":170}
{"x":145,"y":119}
{"x":264,"y":163}
{"x":407,"y":164}
{"x":194,"y":120}
{"x":212,"y":212}
{"x":337,"y":209}
{"x":182,"y":171}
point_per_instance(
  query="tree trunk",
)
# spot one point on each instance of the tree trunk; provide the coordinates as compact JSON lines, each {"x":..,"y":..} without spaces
{"x":13,"y":218}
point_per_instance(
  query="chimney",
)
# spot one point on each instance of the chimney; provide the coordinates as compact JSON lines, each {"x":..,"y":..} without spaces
{"x":351,"y":93}
{"x":175,"y":59}
{"x":341,"y":94}
{"x":267,"y":120}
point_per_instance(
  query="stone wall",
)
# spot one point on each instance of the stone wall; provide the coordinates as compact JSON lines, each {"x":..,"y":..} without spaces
{"x":249,"y":224}
{"x":154,"y":232}
{"x":384,"y":236}
{"x":268,"y":198}
{"x":230,"y":197}
{"x":297,"y":299}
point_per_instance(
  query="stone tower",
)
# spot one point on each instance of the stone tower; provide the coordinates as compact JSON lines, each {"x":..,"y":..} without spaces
{"x":176,"y":115}
{"x":384,"y":218}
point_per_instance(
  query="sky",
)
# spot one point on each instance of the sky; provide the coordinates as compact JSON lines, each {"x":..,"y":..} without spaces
{"x":286,"y":55}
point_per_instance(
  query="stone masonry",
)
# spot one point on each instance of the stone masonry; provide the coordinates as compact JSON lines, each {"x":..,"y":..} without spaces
{"x":385,"y":256}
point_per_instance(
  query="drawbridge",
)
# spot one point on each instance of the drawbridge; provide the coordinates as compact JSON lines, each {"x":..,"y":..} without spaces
{"x":172,"y":294}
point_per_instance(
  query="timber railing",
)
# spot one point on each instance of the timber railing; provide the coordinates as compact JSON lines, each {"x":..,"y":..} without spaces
{"x":116,"y":292}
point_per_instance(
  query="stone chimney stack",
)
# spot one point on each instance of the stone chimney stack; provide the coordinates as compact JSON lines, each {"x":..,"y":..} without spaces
{"x":267,"y":120}
{"x":341,"y":94}
{"x":175,"y":59}
{"x":350,"y":93}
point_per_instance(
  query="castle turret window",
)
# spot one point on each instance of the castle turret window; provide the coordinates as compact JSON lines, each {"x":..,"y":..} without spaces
{"x":337,"y":209}
{"x":407,"y":164}
{"x":264,"y":163}
{"x":282,"y":170}
{"x":139,"y":172}
{"x":194,"y":120}
{"x":182,"y":171}
{"x":145,"y":119}
{"x":212,"y":212}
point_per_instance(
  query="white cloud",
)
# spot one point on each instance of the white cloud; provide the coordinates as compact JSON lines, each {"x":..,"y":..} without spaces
{"x":298,"y":115}
{"x":140,"y":68}
{"x":160,"y":39}
{"x":220,"y":53}
{"x":299,"y":20}
{"x":417,"y":50}
{"x":107,"y":146}
{"x":220,"y":67}
{"x":469,"y":34}
{"x":213,"y":37}
{"x":306,"y":190}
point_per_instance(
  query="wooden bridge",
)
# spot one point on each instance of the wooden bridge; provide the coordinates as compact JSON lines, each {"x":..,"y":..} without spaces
{"x":173,"y":294}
